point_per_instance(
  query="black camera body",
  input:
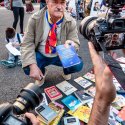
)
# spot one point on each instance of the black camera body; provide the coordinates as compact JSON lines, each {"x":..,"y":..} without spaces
{"x":7,"y":116}
{"x":108,"y":31}
{"x":28,"y":99}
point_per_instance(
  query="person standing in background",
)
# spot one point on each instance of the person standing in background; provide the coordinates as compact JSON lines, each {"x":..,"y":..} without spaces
{"x":29,"y":6}
{"x":42,"y":4}
{"x":18,"y":11}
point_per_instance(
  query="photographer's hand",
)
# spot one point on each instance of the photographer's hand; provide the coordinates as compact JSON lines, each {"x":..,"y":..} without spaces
{"x":105,"y":90}
{"x":32,"y":118}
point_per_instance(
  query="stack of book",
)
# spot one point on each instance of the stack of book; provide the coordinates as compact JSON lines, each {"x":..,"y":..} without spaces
{"x":79,"y":102}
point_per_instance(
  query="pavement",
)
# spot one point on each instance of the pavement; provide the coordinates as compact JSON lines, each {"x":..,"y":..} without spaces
{"x":12,"y":80}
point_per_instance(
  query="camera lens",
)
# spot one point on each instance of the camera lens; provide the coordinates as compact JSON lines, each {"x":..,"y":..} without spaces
{"x":86,"y":26}
{"x":28,"y":99}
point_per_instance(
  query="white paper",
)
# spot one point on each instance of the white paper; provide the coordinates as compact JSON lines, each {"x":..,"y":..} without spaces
{"x":12,"y":49}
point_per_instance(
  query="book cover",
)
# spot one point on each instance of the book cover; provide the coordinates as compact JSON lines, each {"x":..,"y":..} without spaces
{"x":119,"y":101}
{"x":71,"y":102}
{"x":82,"y":96}
{"x":53,"y":93}
{"x":44,"y":101}
{"x":91,"y":91}
{"x":66,"y":87}
{"x":46,"y":113}
{"x":58,"y":108}
{"x":116,"y":83}
{"x":122,"y":63}
{"x":82,"y":113}
{"x":71,"y":120}
{"x":90,"y":76}
{"x":58,"y":118}
{"x":83,"y":82}
{"x":67,"y":55}
{"x":121,"y":115}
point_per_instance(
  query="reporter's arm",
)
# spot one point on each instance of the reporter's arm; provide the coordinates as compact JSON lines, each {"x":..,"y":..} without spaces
{"x":105,"y":90}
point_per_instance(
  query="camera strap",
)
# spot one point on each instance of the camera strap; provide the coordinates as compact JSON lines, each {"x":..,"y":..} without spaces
{"x":114,"y":66}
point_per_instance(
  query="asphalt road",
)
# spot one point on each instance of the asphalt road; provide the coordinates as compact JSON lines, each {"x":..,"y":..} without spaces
{"x":12,"y":80}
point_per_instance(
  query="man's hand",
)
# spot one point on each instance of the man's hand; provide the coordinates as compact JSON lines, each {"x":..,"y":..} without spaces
{"x":32,"y":118}
{"x":15,"y":44}
{"x":69,"y":42}
{"x":35,"y":72}
{"x":105,"y":90}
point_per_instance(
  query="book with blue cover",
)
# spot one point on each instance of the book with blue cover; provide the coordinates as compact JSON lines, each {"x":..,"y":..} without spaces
{"x":67,"y":55}
{"x":71,"y":102}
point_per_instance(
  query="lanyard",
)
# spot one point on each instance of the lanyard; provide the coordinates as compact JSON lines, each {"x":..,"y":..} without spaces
{"x":57,"y":23}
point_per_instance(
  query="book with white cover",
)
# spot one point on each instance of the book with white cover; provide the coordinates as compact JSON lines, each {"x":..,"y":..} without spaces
{"x":66,"y":87}
{"x":44,"y":101}
{"x":83,"y":82}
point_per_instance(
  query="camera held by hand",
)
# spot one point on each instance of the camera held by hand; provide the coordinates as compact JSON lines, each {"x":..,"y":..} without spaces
{"x":107,"y":32}
{"x":29,"y":98}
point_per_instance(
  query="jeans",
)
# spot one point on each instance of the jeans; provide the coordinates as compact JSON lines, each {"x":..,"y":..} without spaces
{"x":13,"y":58}
{"x":43,"y":61}
{"x":18,"y":11}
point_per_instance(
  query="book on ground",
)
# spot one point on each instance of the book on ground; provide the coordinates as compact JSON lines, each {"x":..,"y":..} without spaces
{"x":83,"y":82}
{"x":71,"y":102}
{"x":66,"y":87}
{"x":83,"y":97}
{"x":82,"y":113}
{"x":90,"y":76}
{"x":53,"y":93}
{"x":44,"y":101}
{"x":45,"y":113}
{"x":58,"y":108}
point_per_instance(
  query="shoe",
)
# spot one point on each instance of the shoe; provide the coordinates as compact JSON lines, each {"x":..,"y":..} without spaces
{"x":7,"y":63}
{"x":41,"y":82}
{"x":66,"y":77}
{"x":19,"y":63}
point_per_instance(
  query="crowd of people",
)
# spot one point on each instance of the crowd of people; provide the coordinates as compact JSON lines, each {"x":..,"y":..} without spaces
{"x":47,"y":28}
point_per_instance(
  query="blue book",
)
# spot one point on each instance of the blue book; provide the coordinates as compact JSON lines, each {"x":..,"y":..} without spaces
{"x":67,"y":55}
{"x":71,"y":102}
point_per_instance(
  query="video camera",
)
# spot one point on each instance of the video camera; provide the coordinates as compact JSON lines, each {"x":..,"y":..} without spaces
{"x":107,"y":32}
{"x":28,"y":99}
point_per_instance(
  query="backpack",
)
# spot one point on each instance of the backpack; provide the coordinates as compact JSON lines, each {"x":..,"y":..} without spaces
{"x":7,"y":4}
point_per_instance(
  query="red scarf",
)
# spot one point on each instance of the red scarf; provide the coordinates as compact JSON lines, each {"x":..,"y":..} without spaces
{"x":50,"y":47}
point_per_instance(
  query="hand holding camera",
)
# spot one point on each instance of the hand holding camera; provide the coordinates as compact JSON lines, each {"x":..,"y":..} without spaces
{"x":28,"y":99}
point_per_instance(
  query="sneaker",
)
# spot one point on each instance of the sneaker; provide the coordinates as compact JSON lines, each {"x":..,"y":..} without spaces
{"x":19,"y":63}
{"x":41,"y":82}
{"x":66,"y":77}
{"x":7,"y":63}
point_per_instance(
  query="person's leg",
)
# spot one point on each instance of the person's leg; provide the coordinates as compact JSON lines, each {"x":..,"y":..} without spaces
{"x":21,"y":13}
{"x":11,"y":57}
{"x":10,"y":62}
{"x":16,"y":16}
